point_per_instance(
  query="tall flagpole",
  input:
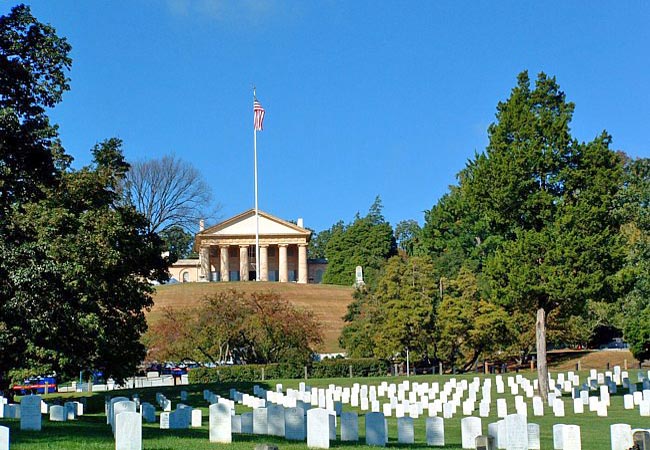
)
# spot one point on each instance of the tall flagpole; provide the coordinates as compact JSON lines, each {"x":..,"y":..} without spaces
{"x":257,"y":216}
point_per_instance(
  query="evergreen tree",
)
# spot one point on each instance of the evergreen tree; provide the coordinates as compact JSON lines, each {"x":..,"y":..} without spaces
{"x":549,"y":199}
{"x":396,"y":314}
{"x":367,"y":242}
{"x":634,"y":209}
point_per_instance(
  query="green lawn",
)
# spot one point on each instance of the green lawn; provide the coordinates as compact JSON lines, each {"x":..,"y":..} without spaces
{"x":91,"y":431}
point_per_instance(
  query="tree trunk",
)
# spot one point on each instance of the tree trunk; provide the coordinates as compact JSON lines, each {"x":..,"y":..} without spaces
{"x":542,"y":369}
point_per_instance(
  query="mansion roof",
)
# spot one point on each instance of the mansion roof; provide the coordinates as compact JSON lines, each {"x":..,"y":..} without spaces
{"x":243,"y":226}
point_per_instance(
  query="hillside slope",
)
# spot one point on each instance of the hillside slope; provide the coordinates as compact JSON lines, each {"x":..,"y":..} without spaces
{"x":327,"y":302}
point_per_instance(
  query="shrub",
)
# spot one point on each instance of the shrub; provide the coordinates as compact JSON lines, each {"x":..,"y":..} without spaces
{"x":331,"y":368}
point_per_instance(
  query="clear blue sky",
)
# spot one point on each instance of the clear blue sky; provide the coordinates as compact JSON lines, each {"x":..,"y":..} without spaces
{"x":363,"y":98}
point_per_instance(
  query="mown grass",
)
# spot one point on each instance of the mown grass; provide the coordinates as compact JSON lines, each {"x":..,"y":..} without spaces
{"x":91,"y":431}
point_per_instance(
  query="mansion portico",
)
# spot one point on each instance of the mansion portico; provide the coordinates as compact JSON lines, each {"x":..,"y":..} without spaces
{"x":227,"y":252}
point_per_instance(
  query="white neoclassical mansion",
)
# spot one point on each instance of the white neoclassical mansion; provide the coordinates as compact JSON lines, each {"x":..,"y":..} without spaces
{"x":227,"y":252}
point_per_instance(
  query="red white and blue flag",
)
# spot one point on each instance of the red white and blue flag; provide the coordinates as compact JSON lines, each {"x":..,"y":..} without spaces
{"x":258,"y":115}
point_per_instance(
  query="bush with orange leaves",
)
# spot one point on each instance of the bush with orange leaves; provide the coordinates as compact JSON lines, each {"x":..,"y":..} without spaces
{"x":235,"y":327}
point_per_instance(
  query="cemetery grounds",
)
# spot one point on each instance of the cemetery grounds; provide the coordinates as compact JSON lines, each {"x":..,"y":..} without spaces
{"x":90,"y":431}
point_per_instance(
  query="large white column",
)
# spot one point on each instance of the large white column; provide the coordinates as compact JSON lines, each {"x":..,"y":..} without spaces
{"x":303,"y":276}
{"x":263,"y":266}
{"x":204,"y":260}
{"x":282,"y":262}
{"x":243,"y":262}
{"x":225,"y":263}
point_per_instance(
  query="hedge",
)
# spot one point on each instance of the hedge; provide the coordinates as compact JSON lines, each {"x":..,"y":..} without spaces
{"x":329,"y":368}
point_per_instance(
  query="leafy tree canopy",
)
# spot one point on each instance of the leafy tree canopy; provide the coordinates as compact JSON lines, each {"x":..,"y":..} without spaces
{"x":367,"y":242}
{"x":74,"y":259}
{"x":395,"y":314}
{"x":634,"y":209}
{"x":406,"y":235}
{"x":546,"y":201}
{"x":259,"y":327}
{"x":77,"y":284}
{"x":33,"y":76}
{"x":178,"y":242}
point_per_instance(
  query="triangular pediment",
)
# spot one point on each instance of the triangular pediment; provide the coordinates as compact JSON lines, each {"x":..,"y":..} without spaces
{"x":244,"y":224}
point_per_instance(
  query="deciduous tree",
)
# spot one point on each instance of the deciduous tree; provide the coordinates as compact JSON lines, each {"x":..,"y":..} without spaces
{"x":248,"y":328}
{"x":74,"y":260}
{"x":169,"y":192}
{"x":77,"y":285}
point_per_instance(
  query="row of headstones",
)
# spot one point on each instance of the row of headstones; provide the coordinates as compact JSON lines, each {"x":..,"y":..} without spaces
{"x":351,"y":395}
{"x":327,"y":399}
{"x":512,"y":433}
{"x":126,"y":422}
{"x":32,"y":407}
{"x":501,"y":405}
{"x":318,"y":426}
{"x":291,"y":423}
{"x":183,"y":417}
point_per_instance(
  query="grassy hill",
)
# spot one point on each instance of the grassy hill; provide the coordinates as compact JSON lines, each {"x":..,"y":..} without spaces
{"x":327,"y":302}
{"x":592,"y":359}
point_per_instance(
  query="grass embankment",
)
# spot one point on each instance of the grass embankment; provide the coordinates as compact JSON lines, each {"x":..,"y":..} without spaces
{"x":91,"y":431}
{"x":593,"y":359}
{"x":328,"y":303}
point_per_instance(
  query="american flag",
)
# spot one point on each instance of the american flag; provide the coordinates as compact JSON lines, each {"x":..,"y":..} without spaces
{"x":258,"y":115}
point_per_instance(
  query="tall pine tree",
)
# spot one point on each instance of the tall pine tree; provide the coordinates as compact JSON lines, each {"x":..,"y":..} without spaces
{"x":548,"y":199}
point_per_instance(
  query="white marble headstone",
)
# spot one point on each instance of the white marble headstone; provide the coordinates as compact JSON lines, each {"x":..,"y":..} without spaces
{"x":260,"y":421}
{"x":71,"y":410}
{"x":621,"y":435}
{"x":533,"y":437}
{"x":109,"y":408}
{"x":578,"y":406}
{"x":220,"y":423}
{"x":118,"y":407}
{"x":538,"y":406}
{"x":435,"y":431}
{"x":318,"y":424}
{"x":470,"y":427}
{"x":502,"y":408}
{"x":197,"y":418}
{"x":235,"y":424}
{"x":516,"y":432}
{"x":571,"y":437}
{"x":128,"y":431}
{"x":4,"y":436}
{"x":275,"y":414}
{"x":164,"y":420}
{"x":558,"y":436}
{"x":405,"y":433}
{"x":247,"y":423}
{"x":628,"y":401}
{"x":148,"y":412}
